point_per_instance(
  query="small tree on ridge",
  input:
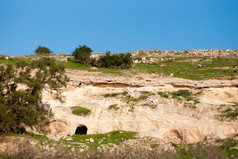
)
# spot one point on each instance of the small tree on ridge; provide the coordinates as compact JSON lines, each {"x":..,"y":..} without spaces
{"x":82,"y":54}
{"x":43,"y":50}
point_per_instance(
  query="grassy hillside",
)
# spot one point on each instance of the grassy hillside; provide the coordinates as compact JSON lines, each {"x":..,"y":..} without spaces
{"x":194,"y":68}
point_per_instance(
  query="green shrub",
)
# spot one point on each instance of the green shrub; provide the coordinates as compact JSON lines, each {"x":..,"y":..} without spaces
{"x":43,"y":50}
{"x":177,"y":53}
{"x":147,"y":93}
{"x":115,"y":61}
{"x":183,"y":93}
{"x":138,"y":58}
{"x":111,"y":95}
{"x":163,"y":94}
{"x":185,"y":51}
{"x":77,"y":110}
{"x":230,"y":114}
{"x":113,"y":106}
{"x":82,"y":54}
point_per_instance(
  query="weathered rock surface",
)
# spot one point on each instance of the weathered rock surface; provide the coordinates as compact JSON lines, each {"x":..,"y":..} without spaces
{"x":166,"y":118}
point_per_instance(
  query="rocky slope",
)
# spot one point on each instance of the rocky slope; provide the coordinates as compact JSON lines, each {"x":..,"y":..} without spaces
{"x":132,"y":103}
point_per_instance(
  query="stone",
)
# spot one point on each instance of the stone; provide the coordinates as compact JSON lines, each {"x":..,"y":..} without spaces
{"x":91,"y":140}
{"x":192,"y":125}
{"x":94,"y":68}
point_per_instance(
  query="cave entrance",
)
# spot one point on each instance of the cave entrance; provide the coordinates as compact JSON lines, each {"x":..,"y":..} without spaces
{"x":81,"y":130}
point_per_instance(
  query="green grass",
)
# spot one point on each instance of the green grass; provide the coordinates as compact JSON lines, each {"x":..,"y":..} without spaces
{"x":163,"y":94}
{"x":111,"y":95}
{"x":114,"y":137}
{"x":73,"y":65}
{"x":190,"y":70}
{"x":134,"y":100}
{"x":185,"y":94}
{"x":37,"y":137}
{"x":115,"y":94}
{"x":9,"y":60}
{"x":227,"y":145}
{"x":77,"y":66}
{"x":147,"y":93}
{"x":203,"y":150}
{"x":77,"y":110}
{"x":179,"y":67}
{"x":230,"y":114}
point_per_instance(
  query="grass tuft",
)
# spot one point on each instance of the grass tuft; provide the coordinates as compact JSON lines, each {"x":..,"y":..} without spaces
{"x":77,"y":110}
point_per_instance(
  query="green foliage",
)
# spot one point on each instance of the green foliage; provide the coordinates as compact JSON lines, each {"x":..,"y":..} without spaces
{"x":180,"y":93}
{"x":77,"y":110}
{"x":24,"y":106}
{"x":205,"y":150}
{"x":37,"y":137}
{"x":177,"y":53}
{"x":70,"y":64}
{"x":134,"y":100}
{"x":183,"y":93}
{"x":138,"y":58}
{"x":163,"y":94}
{"x":154,"y":146}
{"x":185,"y":51}
{"x":82,"y":54}
{"x":113,"y":107}
{"x":230,"y":114}
{"x":114,"y":137}
{"x":9,"y":60}
{"x":227,"y":145}
{"x":147,"y":93}
{"x":115,"y":94}
{"x":115,"y":61}
{"x":111,"y":95}
{"x":2,"y":57}
{"x":42,"y":50}
{"x":181,"y":67}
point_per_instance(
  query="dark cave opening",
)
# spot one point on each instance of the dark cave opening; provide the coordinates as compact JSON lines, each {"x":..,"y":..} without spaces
{"x":81,"y":130}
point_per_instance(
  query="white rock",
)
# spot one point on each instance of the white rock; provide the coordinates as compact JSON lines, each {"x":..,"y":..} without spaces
{"x":91,"y":140}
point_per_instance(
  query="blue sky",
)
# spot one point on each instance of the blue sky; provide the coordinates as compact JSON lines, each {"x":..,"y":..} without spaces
{"x":117,"y":25}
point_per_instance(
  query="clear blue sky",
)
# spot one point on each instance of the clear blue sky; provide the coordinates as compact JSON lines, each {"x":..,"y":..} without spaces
{"x":117,"y":25}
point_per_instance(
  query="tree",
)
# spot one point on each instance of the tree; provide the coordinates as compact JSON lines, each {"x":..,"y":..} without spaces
{"x":43,"y":50}
{"x":115,"y":60}
{"x":82,"y":54}
{"x":24,"y":106}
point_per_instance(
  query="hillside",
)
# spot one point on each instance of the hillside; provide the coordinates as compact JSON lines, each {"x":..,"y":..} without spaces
{"x":172,"y":97}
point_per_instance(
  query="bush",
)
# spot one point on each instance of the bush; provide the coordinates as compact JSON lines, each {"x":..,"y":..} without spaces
{"x":183,"y":93}
{"x":82,"y":54}
{"x":77,"y":110}
{"x":113,"y":107}
{"x":115,"y":61}
{"x":2,"y":57}
{"x":43,"y":50}
{"x":163,"y":94}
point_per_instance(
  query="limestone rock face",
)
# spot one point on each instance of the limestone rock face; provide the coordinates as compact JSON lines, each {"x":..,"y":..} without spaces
{"x":149,"y":114}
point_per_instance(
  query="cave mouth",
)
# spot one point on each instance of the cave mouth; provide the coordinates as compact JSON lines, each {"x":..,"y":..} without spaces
{"x":81,"y":130}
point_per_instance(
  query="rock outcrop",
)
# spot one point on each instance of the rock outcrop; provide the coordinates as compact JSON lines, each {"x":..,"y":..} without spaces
{"x":176,"y":120}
